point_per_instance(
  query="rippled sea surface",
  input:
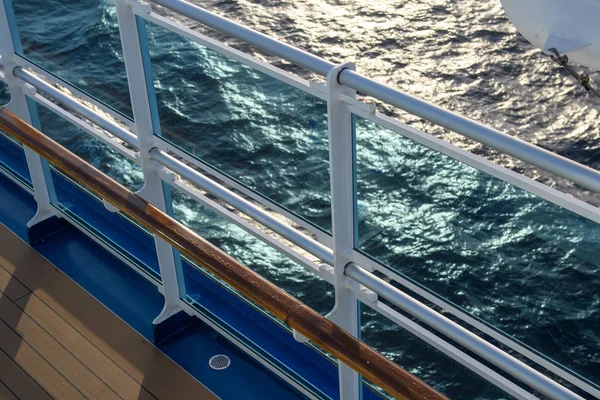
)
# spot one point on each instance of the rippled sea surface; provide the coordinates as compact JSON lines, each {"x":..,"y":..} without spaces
{"x":525,"y":266}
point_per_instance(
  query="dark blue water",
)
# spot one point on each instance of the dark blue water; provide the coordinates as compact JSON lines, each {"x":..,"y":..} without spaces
{"x":527,"y":267}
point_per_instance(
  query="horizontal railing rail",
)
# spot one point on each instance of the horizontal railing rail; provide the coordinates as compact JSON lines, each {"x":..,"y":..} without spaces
{"x":76,"y":106}
{"x":315,"y":248}
{"x":22,"y":61}
{"x":193,"y":176}
{"x":348,"y":349}
{"x":586,"y":177}
{"x":460,"y":335}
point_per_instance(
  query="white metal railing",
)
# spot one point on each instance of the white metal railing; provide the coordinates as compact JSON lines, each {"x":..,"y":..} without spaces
{"x":38,"y":168}
{"x":257,"y":214}
{"x":332,"y":257}
{"x":169,"y":261}
{"x":459,"y":334}
{"x":77,"y":107}
{"x":561,"y":166}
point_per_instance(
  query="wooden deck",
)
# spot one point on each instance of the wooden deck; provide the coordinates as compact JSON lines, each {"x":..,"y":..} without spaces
{"x":56,"y":341}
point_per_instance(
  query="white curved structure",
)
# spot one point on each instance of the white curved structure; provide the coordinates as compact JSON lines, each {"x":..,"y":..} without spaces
{"x":570,"y":26}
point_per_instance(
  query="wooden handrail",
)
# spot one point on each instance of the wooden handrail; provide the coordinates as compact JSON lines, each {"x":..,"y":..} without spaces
{"x":345,"y":347}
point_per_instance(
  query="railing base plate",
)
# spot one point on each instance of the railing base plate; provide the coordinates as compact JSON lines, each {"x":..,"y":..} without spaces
{"x":44,"y":229}
{"x":166,"y":330}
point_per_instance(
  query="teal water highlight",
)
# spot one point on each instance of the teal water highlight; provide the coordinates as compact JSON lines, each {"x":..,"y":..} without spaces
{"x":529,"y":268}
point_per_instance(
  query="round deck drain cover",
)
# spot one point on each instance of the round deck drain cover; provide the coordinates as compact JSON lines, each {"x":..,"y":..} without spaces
{"x":219,"y":362}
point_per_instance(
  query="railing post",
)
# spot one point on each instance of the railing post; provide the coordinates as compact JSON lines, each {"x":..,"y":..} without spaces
{"x":153,"y":190}
{"x":39,"y":170}
{"x":341,"y":161}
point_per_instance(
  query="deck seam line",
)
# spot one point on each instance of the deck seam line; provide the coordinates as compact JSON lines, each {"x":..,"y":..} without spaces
{"x":64,"y":347}
{"x":69,"y":324}
{"x":29,"y":291}
{"x":92,"y":343}
{"x":43,"y":358}
{"x":26,"y":373}
{"x":4,"y":268}
{"x":7,"y":388}
{"x":48,"y":264}
{"x":19,"y":298}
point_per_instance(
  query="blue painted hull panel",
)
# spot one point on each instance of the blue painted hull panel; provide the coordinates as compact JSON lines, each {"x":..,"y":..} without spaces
{"x":138,"y":302}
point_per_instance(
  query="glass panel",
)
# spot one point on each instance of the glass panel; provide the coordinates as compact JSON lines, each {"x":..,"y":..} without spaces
{"x":92,"y":150}
{"x":424,"y":361}
{"x":12,"y":156}
{"x":114,"y":229}
{"x":273,"y":340}
{"x":256,"y":329}
{"x":126,"y":237}
{"x":252,"y":252}
{"x":266,"y":134}
{"x":4,"y":94}
{"x":525,"y":265}
{"x":79,"y":42}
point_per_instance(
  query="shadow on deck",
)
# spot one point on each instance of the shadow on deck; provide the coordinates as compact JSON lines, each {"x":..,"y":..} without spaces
{"x":57,"y":341}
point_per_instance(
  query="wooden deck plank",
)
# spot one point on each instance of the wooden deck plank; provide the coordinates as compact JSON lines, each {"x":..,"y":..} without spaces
{"x":139,"y":358}
{"x":99,"y":363}
{"x":35,"y":366}
{"x":54,"y":352}
{"x":11,"y":288}
{"x":18,"y":381}
{"x":5,"y":393}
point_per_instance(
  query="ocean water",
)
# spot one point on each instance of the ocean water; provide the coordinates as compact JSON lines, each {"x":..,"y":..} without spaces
{"x":523,"y":265}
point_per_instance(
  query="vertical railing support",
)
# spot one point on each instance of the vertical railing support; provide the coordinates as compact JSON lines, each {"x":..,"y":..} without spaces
{"x":153,"y":191}
{"x":39,"y":170}
{"x":341,"y":160}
